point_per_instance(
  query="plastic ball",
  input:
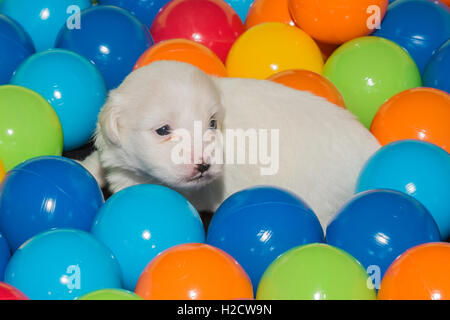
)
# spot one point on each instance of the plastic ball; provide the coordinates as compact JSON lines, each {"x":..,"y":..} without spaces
{"x":111,"y":38}
{"x":15,"y":46}
{"x":144,"y":10}
{"x":29,"y":127}
{"x":194,"y":272}
{"x":184,"y":51}
{"x":417,"y":168}
{"x":315,"y":272}
{"x":270,"y":48}
{"x":419,"y":26}
{"x":377,"y":226}
{"x":43,"y":19}
{"x":258,"y":224}
{"x":338,"y":21}
{"x":263,"y":11}
{"x":139,"y":222}
{"x":8,"y":292}
{"x":241,"y":7}
{"x":55,"y":192}
{"x":2,"y":171}
{"x":436,"y":71}
{"x":62,"y":264}
{"x":368,"y":71}
{"x":212,"y":23}
{"x":420,"y":113}
{"x":421,"y":273}
{"x":111,"y":294}
{"x":72,"y":85}
{"x":305,"y":80}
{"x":5,"y":254}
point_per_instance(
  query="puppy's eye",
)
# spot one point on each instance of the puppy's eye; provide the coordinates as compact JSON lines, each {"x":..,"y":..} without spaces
{"x":164,"y":131}
{"x":213,"y":124}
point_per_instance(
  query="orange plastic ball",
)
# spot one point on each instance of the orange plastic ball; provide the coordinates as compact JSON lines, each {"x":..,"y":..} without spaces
{"x":421,"y":273}
{"x":310,"y":81}
{"x":420,"y":113}
{"x":2,"y":171}
{"x":262,"y":11}
{"x":327,"y":49}
{"x":184,"y":51}
{"x":338,"y":21}
{"x":194,"y":272}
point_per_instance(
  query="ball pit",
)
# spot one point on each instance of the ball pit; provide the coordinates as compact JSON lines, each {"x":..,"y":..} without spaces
{"x":377,"y":226}
{"x":418,"y":168}
{"x":436,"y":71}
{"x":110,"y":294}
{"x":421,"y":273}
{"x":368,"y":71}
{"x":139,"y":222}
{"x":111,"y":38}
{"x":29,"y":127}
{"x":419,"y":26}
{"x":310,"y":81}
{"x":144,"y":10}
{"x":8,"y":292}
{"x":263,"y":11}
{"x":256,"y":225}
{"x":420,"y":113}
{"x":278,"y":47}
{"x":72,"y":85}
{"x":315,"y":272}
{"x":203,"y":273}
{"x":212,"y":23}
{"x":184,"y":51}
{"x":42,"y":19}
{"x":337,"y":21}
{"x":15,"y":46}
{"x":4,"y":255}
{"x":56,"y":192}
{"x":62,"y":264}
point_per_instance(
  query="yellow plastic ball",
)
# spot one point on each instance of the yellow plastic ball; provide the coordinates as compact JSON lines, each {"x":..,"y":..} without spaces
{"x":270,"y":48}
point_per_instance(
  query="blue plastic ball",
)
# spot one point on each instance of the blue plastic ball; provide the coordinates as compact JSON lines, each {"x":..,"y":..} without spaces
{"x":258,"y":224}
{"x":437,"y":72}
{"x":43,"y":19}
{"x":139,"y":222}
{"x":377,"y":226}
{"x":419,"y":26}
{"x":62,"y":264}
{"x":15,"y":46}
{"x":111,"y":38}
{"x":241,"y":7}
{"x":44,"y":193}
{"x":417,"y":168}
{"x":72,"y":85}
{"x":5,"y":254}
{"x":144,"y":10}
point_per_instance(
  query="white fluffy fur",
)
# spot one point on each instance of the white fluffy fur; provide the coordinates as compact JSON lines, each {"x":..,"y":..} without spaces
{"x":322,"y":147}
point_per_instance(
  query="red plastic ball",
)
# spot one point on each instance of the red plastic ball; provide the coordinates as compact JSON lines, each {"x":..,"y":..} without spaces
{"x":8,"y":292}
{"x":212,"y":23}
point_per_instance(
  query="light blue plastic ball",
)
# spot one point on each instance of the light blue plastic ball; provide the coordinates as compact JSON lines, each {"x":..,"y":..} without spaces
{"x":139,"y":222}
{"x":241,"y":7}
{"x":72,"y":85}
{"x":417,"y":168}
{"x":62,"y":264}
{"x":43,"y":19}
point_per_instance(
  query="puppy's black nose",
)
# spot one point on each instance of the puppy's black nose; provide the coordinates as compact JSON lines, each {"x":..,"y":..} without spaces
{"x":203,"y":167}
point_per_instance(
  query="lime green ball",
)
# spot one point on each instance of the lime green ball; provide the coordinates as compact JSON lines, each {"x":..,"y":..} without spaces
{"x":29,"y":127}
{"x":368,"y":71}
{"x":315,"y":272}
{"x":111,"y":294}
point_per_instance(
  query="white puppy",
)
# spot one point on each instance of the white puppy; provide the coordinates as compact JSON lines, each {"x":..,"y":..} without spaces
{"x":294,"y":139}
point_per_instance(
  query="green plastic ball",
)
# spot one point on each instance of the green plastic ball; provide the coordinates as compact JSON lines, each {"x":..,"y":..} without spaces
{"x":29,"y":127}
{"x":368,"y":71}
{"x":111,"y":294}
{"x":315,"y":272}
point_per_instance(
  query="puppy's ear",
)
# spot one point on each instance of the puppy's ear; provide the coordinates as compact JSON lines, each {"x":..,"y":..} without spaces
{"x":109,"y":119}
